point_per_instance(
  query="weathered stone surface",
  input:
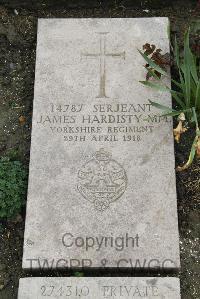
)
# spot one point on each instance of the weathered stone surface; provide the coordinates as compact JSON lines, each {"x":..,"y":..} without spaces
{"x":99,"y":287}
{"x":102,"y":182}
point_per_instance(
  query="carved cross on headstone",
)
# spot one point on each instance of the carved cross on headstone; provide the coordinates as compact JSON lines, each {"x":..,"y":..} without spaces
{"x":102,"y":62}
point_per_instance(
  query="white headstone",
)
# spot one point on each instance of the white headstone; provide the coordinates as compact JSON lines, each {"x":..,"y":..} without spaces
{"x":99,"y":288}
{"x":102,"y":182}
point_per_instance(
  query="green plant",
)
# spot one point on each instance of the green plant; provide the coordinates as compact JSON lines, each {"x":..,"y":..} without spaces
{"x":186,"y":93}
{"x":13,"y":184}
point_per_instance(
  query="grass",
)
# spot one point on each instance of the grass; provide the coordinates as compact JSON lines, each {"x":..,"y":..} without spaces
{"x":186,"y":93}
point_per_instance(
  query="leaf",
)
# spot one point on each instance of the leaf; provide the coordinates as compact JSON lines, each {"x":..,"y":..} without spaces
{"x":182,"y":83}
{"x":153,"y":64}
{"x":195,"y":117}
{"x":191,"y":58}
{"x":193,"y":91}
{"x":79,"y":274}
{"x":152,"y":73}
{"x":157,"y":58}
{"x":149,"y":49}
{"x":197,"y":97}
{"x":176,"y":53}
{"x":191,"y":157}
{"x":187,"y":68}
{"x":12,"y":187}
{"x":161,"y":60}
{"x":168,"y":30}
{"x":160,"y":106}
{"x":175,"y":113}
{"x":178,"y":100}
{"x":155,"y":86}
{"x":176,"y":83}
{"x":22,"y":120}
{"x":165,"y":89}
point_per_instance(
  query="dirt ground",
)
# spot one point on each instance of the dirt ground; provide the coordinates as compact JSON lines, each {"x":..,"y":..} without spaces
{"x":18,"y":28}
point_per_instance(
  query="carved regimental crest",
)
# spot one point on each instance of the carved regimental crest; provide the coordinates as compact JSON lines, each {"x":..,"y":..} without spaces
{"x":102,"y":180}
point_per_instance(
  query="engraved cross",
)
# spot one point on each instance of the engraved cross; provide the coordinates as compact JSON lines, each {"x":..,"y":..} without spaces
{"x":102,"y":62}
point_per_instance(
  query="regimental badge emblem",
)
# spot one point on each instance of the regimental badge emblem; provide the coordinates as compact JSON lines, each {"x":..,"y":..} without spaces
{"x":102,"y":180}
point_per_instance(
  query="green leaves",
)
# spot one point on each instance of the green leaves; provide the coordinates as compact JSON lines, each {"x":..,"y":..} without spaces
{"x":153,"y":64}
{"x":186,"y":71}
{"x":155,"y":85}
{"x":197,"y":97}
{"x":190,"y":59}
{"x":186,"y":92}
{"x":13,"y":182}
{"x":162,"y":107}
{"x":191,"y":157}
{"x":176,"y":53}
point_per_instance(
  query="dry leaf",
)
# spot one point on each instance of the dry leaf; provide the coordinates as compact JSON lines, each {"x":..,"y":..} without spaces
{"x":198,"y":148}
{"x":161,"y":60}
{"x":149,"y":49}
{"x":179,"y":130}
{"x":22,"y":120}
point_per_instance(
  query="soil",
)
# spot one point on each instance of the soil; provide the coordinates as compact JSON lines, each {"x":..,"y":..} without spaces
{"x":18,"y":28}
